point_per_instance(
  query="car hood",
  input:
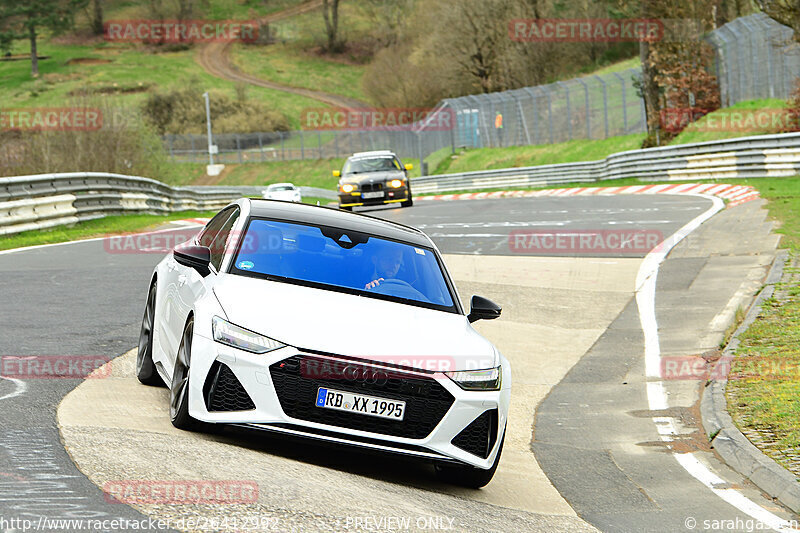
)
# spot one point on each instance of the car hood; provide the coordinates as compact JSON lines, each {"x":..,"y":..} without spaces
{"x":374,"y":176}
{"x":356,"y":326}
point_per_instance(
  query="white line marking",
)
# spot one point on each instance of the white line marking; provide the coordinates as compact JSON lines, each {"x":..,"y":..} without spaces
{"x":657,"y":396}
{"x":20,"y":388}
{"x":93,"y":239}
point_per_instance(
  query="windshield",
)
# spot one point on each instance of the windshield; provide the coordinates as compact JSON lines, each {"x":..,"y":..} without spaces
{"x":372,"y":164}
{"x":273,"y":188}
{"x":341,"y":260}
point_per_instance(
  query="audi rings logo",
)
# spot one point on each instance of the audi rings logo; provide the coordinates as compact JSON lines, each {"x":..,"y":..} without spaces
{"x":364,"y":375}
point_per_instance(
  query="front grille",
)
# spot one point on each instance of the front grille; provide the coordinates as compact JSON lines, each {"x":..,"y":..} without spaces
{"x":224,"y":392}
{"x":371,"y":187}
{"x":297,"y":380}
{"x":479,"y":437}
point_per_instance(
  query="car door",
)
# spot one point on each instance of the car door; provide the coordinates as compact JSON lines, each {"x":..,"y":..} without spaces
{"x":175,"y":275}
{"x":191,"y":286}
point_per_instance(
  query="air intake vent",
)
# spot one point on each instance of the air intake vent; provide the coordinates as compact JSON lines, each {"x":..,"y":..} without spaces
{"x":479,"y":437}
{"x":223,"y":391}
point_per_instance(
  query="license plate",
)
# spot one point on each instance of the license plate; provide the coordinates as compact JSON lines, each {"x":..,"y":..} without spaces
{"x":368,"y":195}
{"x":360,"y":403}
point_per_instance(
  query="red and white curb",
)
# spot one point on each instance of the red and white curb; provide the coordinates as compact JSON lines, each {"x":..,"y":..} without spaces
{"x":735,"y":194}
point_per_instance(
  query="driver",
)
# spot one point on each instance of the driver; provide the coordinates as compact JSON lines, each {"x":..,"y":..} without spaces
{"x":386,"y":264}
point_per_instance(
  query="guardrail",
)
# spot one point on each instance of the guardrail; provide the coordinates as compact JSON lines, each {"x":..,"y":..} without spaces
{"x":47,"y":200}
{"x":746,"y":157}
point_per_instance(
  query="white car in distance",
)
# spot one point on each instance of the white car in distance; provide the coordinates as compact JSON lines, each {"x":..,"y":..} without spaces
{"x":286,"y":192}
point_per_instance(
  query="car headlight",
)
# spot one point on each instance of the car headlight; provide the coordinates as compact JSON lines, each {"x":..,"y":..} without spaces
{"x":227,"y":333}
{"x":396,"y":184}
{"x":348,"y":187}
{"x":488,"y":379}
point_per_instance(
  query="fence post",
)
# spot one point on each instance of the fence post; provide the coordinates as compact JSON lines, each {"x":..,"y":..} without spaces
{"x":569,"y":111}
{"x":605,"y":103}
{"x":302,"y":145}
{"x":261,"y":146}
{"x":238,"y":148}
{"x":549,"y":111}
{"x":319,"y":143}
{"x":419,"y":153}
{"x":624,"y":104}
{"x":522,"y":120}
{"x":586,"y":108}
{"x":283,"y":154}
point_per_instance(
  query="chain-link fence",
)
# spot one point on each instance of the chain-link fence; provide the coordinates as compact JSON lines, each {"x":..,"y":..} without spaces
{"x":286,"y":146}
{"x":592,"y":107}
{"x":755,"y":58}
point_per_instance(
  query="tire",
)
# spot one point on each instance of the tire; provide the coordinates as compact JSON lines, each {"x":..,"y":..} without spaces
{"x":145,"y":369}
{"x":468,"y":476}
{"x":409,"y":202}
{"x":346,"y":207}
{"x":179,"y":388}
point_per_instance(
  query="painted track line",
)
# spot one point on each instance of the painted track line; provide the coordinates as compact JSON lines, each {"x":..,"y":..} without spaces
{"x":735,"y":194}
{"x":184,"y":224}
{"x":20,"y":388}
{"x":657,"y":395}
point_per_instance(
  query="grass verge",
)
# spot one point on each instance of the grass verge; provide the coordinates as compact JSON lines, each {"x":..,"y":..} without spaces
{"x":94,"y":228}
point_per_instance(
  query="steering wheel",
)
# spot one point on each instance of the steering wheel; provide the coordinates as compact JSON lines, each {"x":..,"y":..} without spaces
{"x":405,"y":287}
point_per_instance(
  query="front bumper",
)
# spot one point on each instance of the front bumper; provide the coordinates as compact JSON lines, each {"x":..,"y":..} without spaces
{"x":391,"y":196}
{"x":442,"y":431}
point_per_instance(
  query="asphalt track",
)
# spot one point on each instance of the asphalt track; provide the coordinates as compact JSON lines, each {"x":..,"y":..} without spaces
{"x":79,"y":299}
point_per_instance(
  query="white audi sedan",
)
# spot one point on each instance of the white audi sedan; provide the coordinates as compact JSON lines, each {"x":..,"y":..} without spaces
{"x":318,"y":323}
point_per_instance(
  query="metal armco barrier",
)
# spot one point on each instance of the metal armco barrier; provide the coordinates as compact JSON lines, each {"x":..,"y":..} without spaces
{"x":747,"y":157}
{"x":48,"y":200}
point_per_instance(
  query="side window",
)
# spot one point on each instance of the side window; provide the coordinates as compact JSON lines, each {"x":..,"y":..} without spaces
{"x":209,"y":233}
{"x":220,"y":243}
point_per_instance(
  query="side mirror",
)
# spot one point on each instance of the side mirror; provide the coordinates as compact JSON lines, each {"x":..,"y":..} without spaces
{"x":196,"y":257}
{"x":336,"y":173}
{"x":483,"y":309}
{"x":409,"y":166}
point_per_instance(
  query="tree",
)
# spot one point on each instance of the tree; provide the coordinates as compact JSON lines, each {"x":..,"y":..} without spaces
{"x":24,"y":20}
{"x":330,"y":12}
{"x":97,"y":17}
{"x":787,"y":12}
{"x":675,"y":67}
{"x":387,"y":17}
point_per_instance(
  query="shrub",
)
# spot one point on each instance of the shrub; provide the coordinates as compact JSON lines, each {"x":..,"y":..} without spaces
{"x":182,"y":110}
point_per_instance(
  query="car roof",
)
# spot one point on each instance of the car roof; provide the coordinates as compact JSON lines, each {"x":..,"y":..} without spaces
{"x":281,"y":185}
{"x":332,"y":217}
{"x":359,"y":155}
